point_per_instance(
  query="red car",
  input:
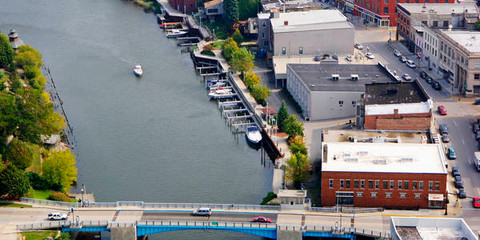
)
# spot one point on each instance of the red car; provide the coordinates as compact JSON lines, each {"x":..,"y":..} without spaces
{"x":476,"y":202}
{"x":262,"y":219}
{"x":442,"y":110}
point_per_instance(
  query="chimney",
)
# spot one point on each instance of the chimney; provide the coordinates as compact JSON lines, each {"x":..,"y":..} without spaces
{"x":285,"y":23}
{"x":395,"y":113}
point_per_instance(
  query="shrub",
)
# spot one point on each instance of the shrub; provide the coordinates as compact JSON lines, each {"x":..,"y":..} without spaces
{"x":268,"y":198}
{"x":251,"y":79}
{"x":237,"y":36}
{"x":22,"y":153}
{"x":260,"y":93}
{"x":208,"y":53}
{"x":38,"y":82}
{"x":37,"y":182}
{"x":59,"y":196}
{"x":229,"y":48}
{"x":32,"y":72}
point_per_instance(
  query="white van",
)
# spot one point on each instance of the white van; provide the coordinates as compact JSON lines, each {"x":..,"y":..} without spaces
{"x":202,"y":212}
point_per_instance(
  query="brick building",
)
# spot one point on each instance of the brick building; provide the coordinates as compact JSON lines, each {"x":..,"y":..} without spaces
{"x":397,"y":106}
{"x":390,"y":175}
{"x":184,"y":6}
{"x":383,"y":13}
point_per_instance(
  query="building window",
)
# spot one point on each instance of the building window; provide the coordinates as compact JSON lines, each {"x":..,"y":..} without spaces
{"x":414,"y":185}
{"x":403,"y":195}
{"x":355,"y":184}
{"x":370,"y":184}
{"x":386,"y":1}
{"x":300,"y":50}
{"x":437,"y":185}
{"x":385,"y":184}
{"x":354,"y":102}
{"x":284,"y":50}
{"x":445,"y":23}
{"x":420,"y":185}
{"x":392,"y":184}
{"x":373,"y":194}
{"x":418,"y":195}
{"x":362,"y":184}
{"x":340,"y":103}
{"x":342,"y":182}
{"x":388,"y":195}
{"x":330,"y":183}
{"x":377,"y":184}
{"x":430,"y":185}
{"x":476,"y":76}
{"x":405,"y":185}
{"x":399,"y":184}
{"x":385,"y":10}
{"x":347,"y":183}
{"x":359,"y":194}
{"x":435,"y":23}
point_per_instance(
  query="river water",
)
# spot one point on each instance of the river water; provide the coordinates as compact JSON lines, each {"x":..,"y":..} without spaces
{"x":155,"y":139}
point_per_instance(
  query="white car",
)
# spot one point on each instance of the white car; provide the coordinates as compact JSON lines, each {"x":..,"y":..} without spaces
{"x":406,"y":77}
{"x":57,"y":216}
{"x":397,"y":53}
{"x":370,"y":55}
{"x":358,"y":46}
{"x":410,"y":64}
{"x":349,"y":58}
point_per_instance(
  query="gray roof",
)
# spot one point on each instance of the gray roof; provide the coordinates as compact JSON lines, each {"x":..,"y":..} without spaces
{"x":318,"y":77}
{"x":394,"y":93}
{"x":439,"y":8}
{"x":470,"y":40}
{"x":310,"y":20}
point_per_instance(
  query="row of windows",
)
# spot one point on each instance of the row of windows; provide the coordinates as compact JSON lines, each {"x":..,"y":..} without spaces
{"x":384,"y":184}
{"x":390,"y":195}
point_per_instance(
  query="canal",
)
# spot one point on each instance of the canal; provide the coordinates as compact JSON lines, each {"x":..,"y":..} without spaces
{"x":154,"y":139}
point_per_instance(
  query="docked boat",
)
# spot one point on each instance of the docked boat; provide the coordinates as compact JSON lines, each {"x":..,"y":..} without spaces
{"x":253,"y":135}
{"x":175,"y":33}
{"x":138,"y":70}
{"x":221,"y":93}
{"x":218,"y":86}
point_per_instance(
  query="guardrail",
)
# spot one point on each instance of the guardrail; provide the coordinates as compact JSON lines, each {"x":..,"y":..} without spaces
{"x":50,"y":202}
{"x":345,"y":209}
{"x":61,"y":224}
{"x":206,"y":224}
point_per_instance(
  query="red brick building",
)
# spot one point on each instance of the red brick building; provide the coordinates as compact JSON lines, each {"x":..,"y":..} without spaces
{"x":397,"y":106}
{"x":383,"y":13}
{"x":184,"y":6}
{"x":389,"y":175}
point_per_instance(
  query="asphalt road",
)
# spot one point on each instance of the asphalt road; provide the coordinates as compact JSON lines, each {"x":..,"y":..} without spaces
{"x":216,"y":216}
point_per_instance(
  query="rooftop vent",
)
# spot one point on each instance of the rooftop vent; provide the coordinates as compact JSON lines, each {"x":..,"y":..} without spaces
{"x":380,"y":161}
{"x":335,"y":77}
{"x":351,"y":159}
{"x":285,"y":23}
{"x":354,"y":77}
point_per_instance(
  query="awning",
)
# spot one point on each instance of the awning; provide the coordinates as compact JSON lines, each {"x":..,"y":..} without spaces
{"x":435,"y":197}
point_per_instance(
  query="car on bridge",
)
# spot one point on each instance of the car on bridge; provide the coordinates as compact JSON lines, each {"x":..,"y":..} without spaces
{"x":57,"y":216}
{"x":262,"y":219}
{"x":202,"y":212}
{"x":476,"y":202}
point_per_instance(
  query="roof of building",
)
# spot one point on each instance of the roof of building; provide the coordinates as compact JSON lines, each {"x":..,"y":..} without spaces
{"x":439,"y":8}
{"x":394,"y":93}
{"x":212,"y":3}
{"x":292,"y":193}
{"x":289,"y":5}
{"x":470,"y":40}
{"x":318,"y":77}
{"x":310,"y":20}
{"x":384,"y":157}
{"x":263,"y":15}
{"x":414,"y":228}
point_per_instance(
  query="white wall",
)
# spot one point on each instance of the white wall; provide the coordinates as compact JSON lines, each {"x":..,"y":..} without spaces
{"x":325,"y":105}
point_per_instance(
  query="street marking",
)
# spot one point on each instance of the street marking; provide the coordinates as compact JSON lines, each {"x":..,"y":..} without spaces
{"x":470,"y":160}
{"x":455,"y":123}
{"x":189,"y":211}
{"x":463,"y":141}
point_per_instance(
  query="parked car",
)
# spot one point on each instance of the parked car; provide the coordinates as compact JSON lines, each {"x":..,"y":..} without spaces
{"x":443,"y":129}
{"x":445,"y":138}
{"x":477,"y":136}
{"x":410,"y":64}
{"x":429,"y":80}
{"x":397,"y":53}
{"x":436,"y":85}
{"x":475,"y":127}
{"x":57,"y":216}
{"x":423,"y":75}
{"x":461,"y":193}
{"x":458,"y":182}
{"x":442,"y":110}
{"x":477,"y":102}
{"x":455,"y":172}
{"x":262,"y":219}
{"x":451,"y":153}
{"x":402,"y":59}
{"x":370,"y":55}
{"x":406,"y":77}
{"x":349,"y":58}
{"x":335,"y":57}
{"x":317,"y":58}
{"x":358,"y":46}
{"x":476,"y":202}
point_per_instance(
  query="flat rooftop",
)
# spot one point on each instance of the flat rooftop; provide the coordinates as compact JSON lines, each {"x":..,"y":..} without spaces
{"x":470,"y":40}
{"x":309,"y":20}
{"x":344,"y":135}
{"x":439,"y":8}
{"x":394,"y":93}
{"x":318,"y":77}
{"x":412,"y":228}
{"x":384,"y":157}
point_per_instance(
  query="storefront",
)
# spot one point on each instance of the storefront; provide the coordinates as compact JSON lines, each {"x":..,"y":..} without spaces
{"x":370,"y":18}
{"x":435,"y":200}
{"x":349,"y":6}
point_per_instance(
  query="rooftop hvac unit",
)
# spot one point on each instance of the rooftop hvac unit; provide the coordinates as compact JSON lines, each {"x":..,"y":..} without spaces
{"x":335,"y":77}
{"x":354,"y":77}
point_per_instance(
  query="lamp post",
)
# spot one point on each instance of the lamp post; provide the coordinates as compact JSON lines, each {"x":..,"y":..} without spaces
{"x":83,"y":189}
{"x":446,"y":203}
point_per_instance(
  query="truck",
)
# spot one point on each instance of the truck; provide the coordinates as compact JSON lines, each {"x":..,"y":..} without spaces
{"x":476,"y":161}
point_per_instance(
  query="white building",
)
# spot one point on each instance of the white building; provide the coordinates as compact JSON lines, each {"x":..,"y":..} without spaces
{"x":430,"y":48}
{"x":403,"y":228}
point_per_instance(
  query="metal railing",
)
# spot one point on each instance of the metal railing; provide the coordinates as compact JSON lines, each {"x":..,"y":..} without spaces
{"x":50,"y":202}
{"x":61,"y":224}
{"x":206,"y":224}
{"x":345,"y":209}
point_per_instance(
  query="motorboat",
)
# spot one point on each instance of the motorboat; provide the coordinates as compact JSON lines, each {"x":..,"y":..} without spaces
{"x":175,"y":33}
{"x":216,"y":85}
{"x":138,"y":70}
{"x":221,"y":93}
{"x":253,"y":135}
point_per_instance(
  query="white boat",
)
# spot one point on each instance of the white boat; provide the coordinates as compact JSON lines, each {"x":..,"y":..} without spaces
{"x":253,"y":135}
{"x":221,"y":93}
{"x":175,"y":33}
{"x":138,"y":70}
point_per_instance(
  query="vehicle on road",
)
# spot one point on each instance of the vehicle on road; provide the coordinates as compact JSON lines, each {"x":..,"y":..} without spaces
{"x":455,"y":172}
{"x":57,"y":216}
{"x":475,"y":127}
{"x":423,"y":75}
{"x":202,"y":212}
{"x":442,"y":110}
{"x":406,"y":77}
{"x":445,"y":138}
{"x":477,"y":160}
{"x":477,"y":136}
{"x":429,"y":80}
{"x":370,"y":55}
{"x":317,"y":59}
{"x":461,"y":193}
{"x":443,"y":128}
{"x":402,"y":59}
{"x":262,"y":219}
{"x":397,"y":53}
{"x":451,"y":153}
{"x":349,"y":58}
{"x":358,"y":46}
{"x":410,"y":64}
{"x":436,"y":85}
{"x":476,"y":202}
{"x":458,"y":182}
{"x":477,"y":102}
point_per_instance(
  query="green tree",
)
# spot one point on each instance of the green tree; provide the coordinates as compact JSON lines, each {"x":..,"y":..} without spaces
{"x":293,"y":127}
{"x":228,"y":48}
{"x":248,"y":8}
{"x":231,"y":13}
{"x":237,"y":36}
{"x":21,"y":154}
{"x":36,"y":55}
{"x":297,"y":145}
{"x":8,"y":115}
{"x":32,"y":72}
{"x":59,"y":170}
{"x":282,"y":115}
{"x":297,"y":169}
{"x":251,"y":79}
{"x":6,"y":51}
{"x":477,"y":25}
{"x":260,"y":92}
{"x":242,"y":60}
{"x":13,"y":182}
{"x":38,"y":82}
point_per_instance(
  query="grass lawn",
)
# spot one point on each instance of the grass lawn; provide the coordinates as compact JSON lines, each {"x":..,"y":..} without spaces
{"x":218,"y":45}
{"x":39,"y":235}
{"x":13,"y":205}
{"x":41,"y":194}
